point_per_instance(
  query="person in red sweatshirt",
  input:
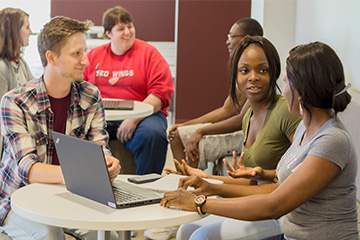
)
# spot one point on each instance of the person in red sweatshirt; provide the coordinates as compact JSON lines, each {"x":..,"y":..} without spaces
{"x":129,"y":68}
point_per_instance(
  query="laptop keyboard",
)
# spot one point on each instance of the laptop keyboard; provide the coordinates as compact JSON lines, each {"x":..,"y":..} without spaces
{"x":122,"y":196}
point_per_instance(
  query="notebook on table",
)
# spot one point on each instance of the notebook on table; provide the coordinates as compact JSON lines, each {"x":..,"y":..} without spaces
{"x":85,"y":173}
{"x":118,"y":104}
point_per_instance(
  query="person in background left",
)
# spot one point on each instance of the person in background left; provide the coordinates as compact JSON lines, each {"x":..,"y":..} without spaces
{"x":129,"y":68}
{"x":59,"y":101}
{"x":15,"y":31}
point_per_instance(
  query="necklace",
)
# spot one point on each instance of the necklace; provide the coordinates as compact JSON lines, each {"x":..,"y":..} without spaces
{"x":16,"y":68}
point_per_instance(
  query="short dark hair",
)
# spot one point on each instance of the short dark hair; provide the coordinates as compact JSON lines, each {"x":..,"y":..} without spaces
{"x":317,"y":74}
{"x":250,"y":26}
{"x":11,"y":21}
{"x":115,"y":16}
{"x":55,"y":33}
{"x":272,"y":57}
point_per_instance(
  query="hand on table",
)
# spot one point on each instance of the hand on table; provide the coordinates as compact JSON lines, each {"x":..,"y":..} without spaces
{"x":184,"y":169}
{"x":185,"y":199}
{"x":200,"y":185}
{"x":126,"y":130}
{"x":179,"y":198}
{"x":114,"y":167}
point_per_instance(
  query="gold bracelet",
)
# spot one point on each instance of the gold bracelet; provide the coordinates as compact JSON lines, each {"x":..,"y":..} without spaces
{"x":275,"y":179}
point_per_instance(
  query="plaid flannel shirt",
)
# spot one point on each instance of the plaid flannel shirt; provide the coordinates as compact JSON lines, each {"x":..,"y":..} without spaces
{"x":26,"y":124}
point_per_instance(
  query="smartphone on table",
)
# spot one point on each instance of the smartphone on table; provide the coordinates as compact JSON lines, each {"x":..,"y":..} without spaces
{"x":144,"y":178}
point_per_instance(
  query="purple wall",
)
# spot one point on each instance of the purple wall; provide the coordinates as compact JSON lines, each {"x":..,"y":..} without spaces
{"x":154,"y":19}
{"x":202,"y":61}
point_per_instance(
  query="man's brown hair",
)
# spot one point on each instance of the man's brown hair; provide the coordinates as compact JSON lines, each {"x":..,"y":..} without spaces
{"x":55,"y":34}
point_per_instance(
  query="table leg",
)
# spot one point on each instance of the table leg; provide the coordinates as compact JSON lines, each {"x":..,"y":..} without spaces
{"x":124,"y":235}
{"x":105,"y":235}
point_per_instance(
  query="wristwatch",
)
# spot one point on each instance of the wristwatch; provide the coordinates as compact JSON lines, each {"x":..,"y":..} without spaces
{"x":199,"y":202}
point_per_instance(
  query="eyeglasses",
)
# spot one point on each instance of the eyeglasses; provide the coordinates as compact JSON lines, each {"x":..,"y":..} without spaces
{"x":231,"y":37}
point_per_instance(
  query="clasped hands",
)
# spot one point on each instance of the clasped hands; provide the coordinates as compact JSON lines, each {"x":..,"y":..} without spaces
{"x":191,"y":149}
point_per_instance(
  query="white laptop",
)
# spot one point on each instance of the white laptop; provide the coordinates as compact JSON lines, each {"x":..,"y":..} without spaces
{"x":85,"y":173}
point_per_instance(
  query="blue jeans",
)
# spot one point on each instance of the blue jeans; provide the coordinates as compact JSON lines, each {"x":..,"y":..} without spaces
{"x":149,"y":143}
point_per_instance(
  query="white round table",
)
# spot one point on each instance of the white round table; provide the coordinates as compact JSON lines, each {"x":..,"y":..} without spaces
{"x":141,"y":109}
{"x":52,"y":204}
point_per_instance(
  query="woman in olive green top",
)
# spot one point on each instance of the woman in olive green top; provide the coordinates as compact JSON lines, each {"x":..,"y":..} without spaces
{"x":273,"y":139}
{"x":268,"y":125}
{"x":268,"y":128}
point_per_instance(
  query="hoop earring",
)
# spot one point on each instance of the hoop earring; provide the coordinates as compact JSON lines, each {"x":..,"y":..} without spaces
{"x":300,"y":106}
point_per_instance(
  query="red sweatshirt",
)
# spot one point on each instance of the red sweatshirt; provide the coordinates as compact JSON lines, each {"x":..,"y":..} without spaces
{"x":132,"y":76}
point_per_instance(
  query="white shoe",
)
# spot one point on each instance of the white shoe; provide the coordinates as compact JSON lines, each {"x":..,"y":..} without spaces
{"x":162,"y":233}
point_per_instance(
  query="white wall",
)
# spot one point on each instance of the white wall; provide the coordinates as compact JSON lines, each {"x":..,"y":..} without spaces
{"x":335,"y":22}
{"x":279,"y":21}
{"x":278,"y":18}
{"x":39,"y":11}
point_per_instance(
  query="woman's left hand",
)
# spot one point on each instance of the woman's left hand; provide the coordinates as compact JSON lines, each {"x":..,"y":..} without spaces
{"x":180,"y":198}
{"x":240,"y":171}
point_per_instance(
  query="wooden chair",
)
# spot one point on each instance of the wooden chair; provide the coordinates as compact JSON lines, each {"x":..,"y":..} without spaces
{"x":127,"y":162}
{"x":3,"y":236}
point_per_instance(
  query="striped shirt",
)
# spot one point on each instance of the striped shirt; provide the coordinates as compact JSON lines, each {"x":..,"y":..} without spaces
{"x":26,"y":124}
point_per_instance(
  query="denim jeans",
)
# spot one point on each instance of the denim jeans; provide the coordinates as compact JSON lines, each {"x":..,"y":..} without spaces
{"x":149,"y":143}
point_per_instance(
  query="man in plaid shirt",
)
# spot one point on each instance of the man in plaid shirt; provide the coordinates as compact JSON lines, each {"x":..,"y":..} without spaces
{"x":58,"y":101}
